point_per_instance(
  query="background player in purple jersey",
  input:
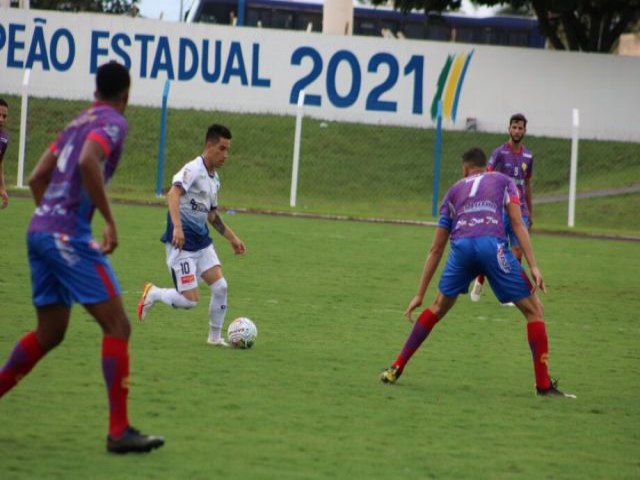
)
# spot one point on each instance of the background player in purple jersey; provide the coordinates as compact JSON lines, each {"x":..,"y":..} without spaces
{"x":67,"y":265}
{"x":472,"y":214}
{"x":4,"y":144}
{"x":516,"y":161}
{"x":191,"y":257}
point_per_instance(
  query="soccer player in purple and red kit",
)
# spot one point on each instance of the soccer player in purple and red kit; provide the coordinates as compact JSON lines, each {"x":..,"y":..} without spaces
{"x":472,"y":215}
{"x":516,"y":161}
{"x":67,"y":264}
{"x":4,"y":144}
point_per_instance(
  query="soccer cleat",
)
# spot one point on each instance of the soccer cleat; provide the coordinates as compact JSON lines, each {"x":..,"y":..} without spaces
{"x":143,"y":305}
{"x":476,"y":291}
{"x":391,"y":375}
{"x":553,"y":391}
{"x":133,"y":441}
{"x":217,"y":343}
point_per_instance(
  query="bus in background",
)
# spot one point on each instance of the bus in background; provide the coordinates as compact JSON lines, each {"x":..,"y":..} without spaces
{"x":372,"y":21}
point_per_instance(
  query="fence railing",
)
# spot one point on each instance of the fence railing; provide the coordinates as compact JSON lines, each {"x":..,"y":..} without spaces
{"x":357,"y":170}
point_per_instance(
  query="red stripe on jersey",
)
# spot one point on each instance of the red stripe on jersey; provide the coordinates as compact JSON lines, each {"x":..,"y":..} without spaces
{"x":514,"y":199}
{"x":101,"y":140}
{"x":53,"y":148}
{"x":526,"y":279}
{"x":106,"y":280}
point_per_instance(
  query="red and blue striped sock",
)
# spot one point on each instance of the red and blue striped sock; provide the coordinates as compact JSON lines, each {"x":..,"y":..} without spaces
{"x":539,"y":344}
{"x":26,"y":353}
{"x":421,"y":329}
{"x":115,"y":367}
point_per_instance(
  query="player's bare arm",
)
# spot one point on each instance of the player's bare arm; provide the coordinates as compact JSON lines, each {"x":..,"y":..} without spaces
{"x":90,"y":161}
{"x":4,"y":197}
{"x":430,"y":266}
{"x":216,"y":221}
{"x":173,"y":204}
{"x":528,"y":192}
{"x":41,"y":175}
{"x":522,"y":235}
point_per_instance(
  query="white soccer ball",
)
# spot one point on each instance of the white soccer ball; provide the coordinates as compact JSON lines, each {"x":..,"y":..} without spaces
{"x":242,"y":333}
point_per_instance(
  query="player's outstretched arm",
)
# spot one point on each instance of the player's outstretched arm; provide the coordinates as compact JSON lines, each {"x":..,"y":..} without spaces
{"x":90,"y":160}
{"x":522,"y":235}
{"x":430,"y":266}
{"x":216,"y":221}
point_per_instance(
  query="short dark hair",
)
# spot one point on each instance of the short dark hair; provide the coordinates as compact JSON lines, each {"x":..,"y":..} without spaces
{"x":217,"y":131}
{"x":475,"y":157}
{"x":112,"y":79}
{"x":518,"y":117}
{"x":3,"y":103}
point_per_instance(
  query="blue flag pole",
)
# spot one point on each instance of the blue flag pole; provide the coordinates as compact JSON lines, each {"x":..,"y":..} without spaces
{"x":436,"y":161}
{"x":163,"y":137}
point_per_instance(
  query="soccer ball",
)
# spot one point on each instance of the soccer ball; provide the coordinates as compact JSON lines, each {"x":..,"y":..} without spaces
{"x":242,"y":333}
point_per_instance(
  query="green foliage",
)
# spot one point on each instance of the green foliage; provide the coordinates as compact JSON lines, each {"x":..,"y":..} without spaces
{"x":586,"y":25}
{"x":105,"y":6}
{"x":305,"y":402}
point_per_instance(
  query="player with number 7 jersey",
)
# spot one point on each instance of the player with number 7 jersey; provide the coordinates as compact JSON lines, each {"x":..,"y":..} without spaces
{"x":471,"y":216}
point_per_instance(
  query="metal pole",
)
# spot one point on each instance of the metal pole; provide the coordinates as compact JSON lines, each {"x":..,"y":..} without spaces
{"x":163,"y":137}
{"x":436,"y":161}
{"x":296,"y":150}
{"x":24,"y":111}
{"x":573,"y":173}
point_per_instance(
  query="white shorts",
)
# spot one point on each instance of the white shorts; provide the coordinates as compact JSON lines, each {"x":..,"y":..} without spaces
{"x":187,"y":267}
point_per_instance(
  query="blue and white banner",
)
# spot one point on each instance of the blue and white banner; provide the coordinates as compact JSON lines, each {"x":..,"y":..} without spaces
{"x":360,"y":79}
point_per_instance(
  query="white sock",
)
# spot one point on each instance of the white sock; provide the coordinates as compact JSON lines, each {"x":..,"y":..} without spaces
{"x":170,"y":296}
{"x":217,"y":308}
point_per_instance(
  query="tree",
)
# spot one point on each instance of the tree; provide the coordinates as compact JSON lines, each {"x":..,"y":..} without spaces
{"x":105,"y":6}
{"x":586,"y":25}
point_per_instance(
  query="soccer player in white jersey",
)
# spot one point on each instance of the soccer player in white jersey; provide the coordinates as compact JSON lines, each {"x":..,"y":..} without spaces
{"x":192,"y":202}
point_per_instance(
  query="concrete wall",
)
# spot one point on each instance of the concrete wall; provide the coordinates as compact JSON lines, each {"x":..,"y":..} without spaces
{"x":372,"y":80}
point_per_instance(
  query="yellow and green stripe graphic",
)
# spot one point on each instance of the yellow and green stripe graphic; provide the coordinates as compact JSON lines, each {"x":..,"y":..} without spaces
{"x":450,"y":85}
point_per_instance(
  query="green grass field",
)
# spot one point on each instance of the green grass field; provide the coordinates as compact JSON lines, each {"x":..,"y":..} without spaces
{"x":345,"y":169}
{"x":305,"y":402}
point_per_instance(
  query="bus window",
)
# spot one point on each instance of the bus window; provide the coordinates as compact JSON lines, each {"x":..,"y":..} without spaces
{"x":303,"y":20}
{"x":414,"y":30}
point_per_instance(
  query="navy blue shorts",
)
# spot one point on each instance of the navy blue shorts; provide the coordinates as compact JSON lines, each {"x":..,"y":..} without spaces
{"x":66,"y":269}
{"x":490,"y":256}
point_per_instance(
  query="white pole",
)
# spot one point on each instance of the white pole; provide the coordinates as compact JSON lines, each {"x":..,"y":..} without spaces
{"x":573,"y":173}
{"x":296,"y":150}
{"x":23,"y":127}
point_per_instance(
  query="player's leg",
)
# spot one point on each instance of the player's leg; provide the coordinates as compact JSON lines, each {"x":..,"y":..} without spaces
{"x":510,"y":283}
{"x":52,"y":325}
{"x":52,"y":302}
{"x":532,"y":310}
{"x":457,"y":274}
{"x":476,"y":290}
{"x":182,"y":265}
{"x":116,"y":328}
{"x":419,"y":333}
{"x":92,"y":282}
{"x":211,"y":273}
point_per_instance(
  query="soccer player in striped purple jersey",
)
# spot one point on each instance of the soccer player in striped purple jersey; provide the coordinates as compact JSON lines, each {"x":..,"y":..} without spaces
{"x":4,"y":144}
{"x":67,"y":264}
{"x":516,"y":161}
{"x":472,"y":215}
